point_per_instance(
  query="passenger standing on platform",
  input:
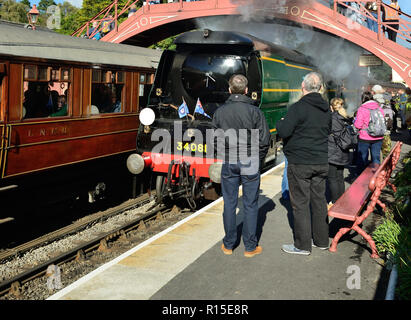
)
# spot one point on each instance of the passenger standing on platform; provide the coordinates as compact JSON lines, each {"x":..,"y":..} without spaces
{"x":338,"y":149}
{"x":391,"y":16}
{"x":400,"y":106}
{"x":239,"y":113}
{"x":305,"y":130}
{"x":393,"y":103}
{"x":367,"y":142}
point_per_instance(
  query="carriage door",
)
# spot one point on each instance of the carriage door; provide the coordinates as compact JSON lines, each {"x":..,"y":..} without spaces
{"x":2,"y":115}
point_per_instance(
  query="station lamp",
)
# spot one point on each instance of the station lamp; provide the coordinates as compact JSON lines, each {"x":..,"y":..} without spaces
{"x":33,"y":16}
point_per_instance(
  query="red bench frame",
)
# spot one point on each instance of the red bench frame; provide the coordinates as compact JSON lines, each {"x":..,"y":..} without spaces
{"x":350,"y":204}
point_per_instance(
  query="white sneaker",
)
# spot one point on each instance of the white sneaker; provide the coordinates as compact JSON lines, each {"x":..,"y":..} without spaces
{"x":290,"y":248}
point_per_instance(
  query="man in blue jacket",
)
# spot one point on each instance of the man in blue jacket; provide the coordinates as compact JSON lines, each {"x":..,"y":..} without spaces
{"x":305,"y":130}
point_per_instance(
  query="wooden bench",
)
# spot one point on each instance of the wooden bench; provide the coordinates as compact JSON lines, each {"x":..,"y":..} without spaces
{"x":365,"y":189}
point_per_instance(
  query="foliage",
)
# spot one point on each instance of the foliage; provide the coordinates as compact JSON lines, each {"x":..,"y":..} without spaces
{"x":386,"y":236}
{"x":11,"y":10}
{"x":393,"y":235}
{"x":26,"y":3}
{"x":90,"y":8}
{"x":404,"y":264}
{"x":69,"y":22}
{"x":166,"y":44}
{"x":44,"y":4}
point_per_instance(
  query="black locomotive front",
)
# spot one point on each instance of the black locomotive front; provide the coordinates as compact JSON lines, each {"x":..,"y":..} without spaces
{"x":196,"y":73}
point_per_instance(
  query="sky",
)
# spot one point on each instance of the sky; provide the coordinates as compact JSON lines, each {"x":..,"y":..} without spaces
{"x":76,"y":3}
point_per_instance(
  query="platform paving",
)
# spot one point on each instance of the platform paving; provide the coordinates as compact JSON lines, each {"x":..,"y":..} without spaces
{"x":185,"y":262}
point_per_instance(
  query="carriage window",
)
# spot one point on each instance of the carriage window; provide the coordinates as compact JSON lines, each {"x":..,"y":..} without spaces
{"x":107,"y":89}
{"x":144,"y":88}
{"x":46,"y":91}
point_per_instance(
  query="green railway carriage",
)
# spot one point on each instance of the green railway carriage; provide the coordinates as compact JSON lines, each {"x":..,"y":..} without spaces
{"x":198,"y":71}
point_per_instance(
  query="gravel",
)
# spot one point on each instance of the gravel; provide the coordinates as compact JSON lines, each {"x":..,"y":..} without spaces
{"x":42,"y":254}
{"x":73,"y":270}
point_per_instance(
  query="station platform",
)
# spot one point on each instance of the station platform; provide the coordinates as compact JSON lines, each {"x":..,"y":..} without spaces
{"x":185,"y":262}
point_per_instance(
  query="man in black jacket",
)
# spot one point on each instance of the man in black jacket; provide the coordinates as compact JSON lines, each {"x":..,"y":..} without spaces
{"x":246,"y":137}
{"x":305,"y":131}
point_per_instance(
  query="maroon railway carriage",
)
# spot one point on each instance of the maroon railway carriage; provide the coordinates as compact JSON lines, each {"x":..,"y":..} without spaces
{"x":66,"y":101}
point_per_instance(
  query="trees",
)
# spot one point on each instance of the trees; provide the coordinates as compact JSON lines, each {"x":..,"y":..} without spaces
{"x":11,"y":10}
{"x":26,"y":3}
{"x":44,"y":4}
{"x":69,"y":18}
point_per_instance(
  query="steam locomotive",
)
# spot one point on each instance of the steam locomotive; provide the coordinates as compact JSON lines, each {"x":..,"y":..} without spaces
{"x":175,"y":146}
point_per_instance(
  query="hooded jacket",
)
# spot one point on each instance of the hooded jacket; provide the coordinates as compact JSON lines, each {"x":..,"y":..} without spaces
{"x":363,"y":118}
{"x":305,"y":130}
{"x":336,"y":155}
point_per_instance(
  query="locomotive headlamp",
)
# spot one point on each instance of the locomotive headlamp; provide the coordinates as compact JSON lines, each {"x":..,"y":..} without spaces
{"x":147,"y":116}
{"x":214,"y":171}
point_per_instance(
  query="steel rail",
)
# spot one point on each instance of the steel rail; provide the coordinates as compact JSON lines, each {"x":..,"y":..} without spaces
{"x":74,"y":227}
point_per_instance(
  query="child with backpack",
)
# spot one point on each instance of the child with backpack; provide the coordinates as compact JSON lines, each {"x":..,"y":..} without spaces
{"x":371,"y":124}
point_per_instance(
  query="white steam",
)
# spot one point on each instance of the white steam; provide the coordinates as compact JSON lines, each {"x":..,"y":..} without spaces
{"x":335,"y":58}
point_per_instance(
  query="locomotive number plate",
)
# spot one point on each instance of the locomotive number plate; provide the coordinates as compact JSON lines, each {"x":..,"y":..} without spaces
{"x":193,"y":147}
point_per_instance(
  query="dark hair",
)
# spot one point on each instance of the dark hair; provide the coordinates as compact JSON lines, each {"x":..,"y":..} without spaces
{"x":366,"y":96}
{"x":238,"y":83}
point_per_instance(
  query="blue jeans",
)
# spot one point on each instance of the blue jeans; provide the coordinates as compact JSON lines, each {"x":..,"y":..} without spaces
{"x":363,"y":147}
{"x":402,"y":116}
{"x":230,"y":181}
{"x":284,"y":183}
{"x":372,"y":25}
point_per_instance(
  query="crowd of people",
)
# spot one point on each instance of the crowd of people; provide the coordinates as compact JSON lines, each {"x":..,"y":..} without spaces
{"x":389,"y":15}
{"x":319,"y":140}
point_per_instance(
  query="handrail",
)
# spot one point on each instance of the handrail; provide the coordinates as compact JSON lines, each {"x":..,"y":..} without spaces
{"x":85,"y":27}
{"x":404,"y":30}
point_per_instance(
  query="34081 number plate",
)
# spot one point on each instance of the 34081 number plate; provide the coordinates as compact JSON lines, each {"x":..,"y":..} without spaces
{"x":193,"y":147}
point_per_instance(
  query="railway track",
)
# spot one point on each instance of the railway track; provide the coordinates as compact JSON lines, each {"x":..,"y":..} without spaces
{"x":74,"y":227}
{"x":98,"y":243}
